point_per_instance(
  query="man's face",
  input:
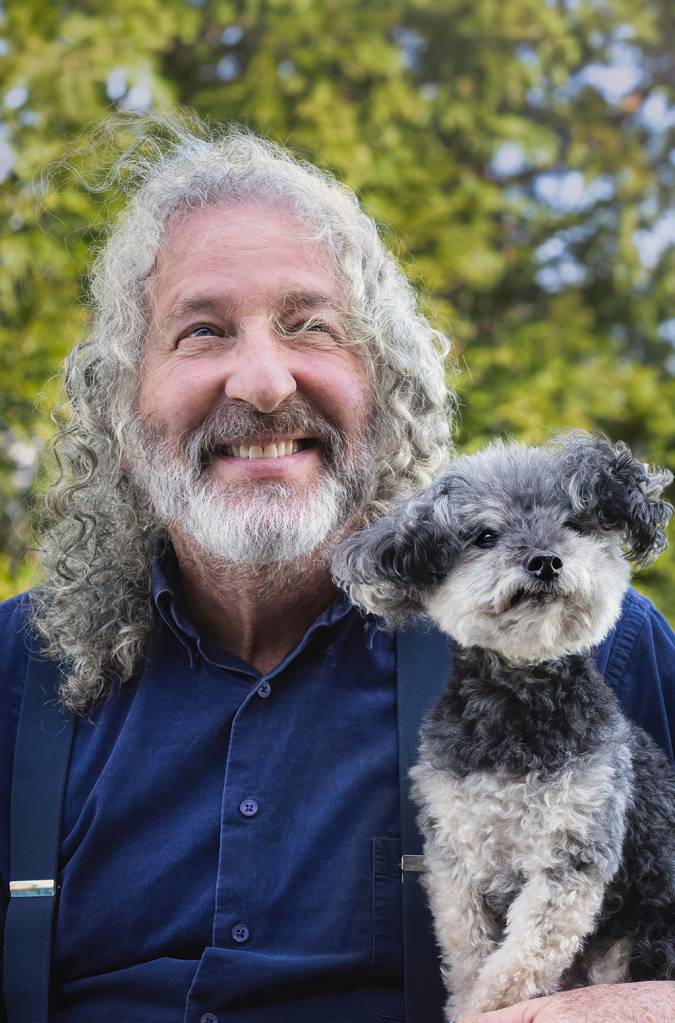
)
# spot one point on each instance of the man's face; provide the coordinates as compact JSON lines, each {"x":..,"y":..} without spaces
{"x":253,"y":413}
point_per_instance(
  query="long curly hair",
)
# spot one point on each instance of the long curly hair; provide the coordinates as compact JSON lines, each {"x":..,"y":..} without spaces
{"x":94,"y":611}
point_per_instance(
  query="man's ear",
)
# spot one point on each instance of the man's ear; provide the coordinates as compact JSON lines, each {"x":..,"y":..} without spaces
{"x":605,"y":482}
{"x":386,"y":567}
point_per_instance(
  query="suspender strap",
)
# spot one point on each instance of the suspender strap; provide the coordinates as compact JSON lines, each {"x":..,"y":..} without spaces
{"x":423,"y":661}
{"x":43,"y":742}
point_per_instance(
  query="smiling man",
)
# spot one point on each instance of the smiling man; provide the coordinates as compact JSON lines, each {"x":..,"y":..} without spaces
{"x":254,"y":420}
{"x":258,"y":382}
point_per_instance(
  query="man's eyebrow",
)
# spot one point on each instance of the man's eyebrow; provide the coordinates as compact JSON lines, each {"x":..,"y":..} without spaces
{"x":301,"y":301}
{"x":292,"y":301}
{"x":201,"y":304}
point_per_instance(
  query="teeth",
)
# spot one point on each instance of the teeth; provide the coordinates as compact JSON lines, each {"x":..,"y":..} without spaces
{"x":277,"y":450}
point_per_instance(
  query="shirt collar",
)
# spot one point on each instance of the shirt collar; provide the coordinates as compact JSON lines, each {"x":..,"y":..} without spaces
{"x":167,"y":594}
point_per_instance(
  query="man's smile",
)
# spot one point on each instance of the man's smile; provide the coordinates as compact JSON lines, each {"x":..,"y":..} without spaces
{"x":273,"y":459}
{"x":266,"y":449}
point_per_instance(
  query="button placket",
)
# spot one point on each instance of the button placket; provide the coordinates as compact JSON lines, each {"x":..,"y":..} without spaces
{"x":241,"y":893}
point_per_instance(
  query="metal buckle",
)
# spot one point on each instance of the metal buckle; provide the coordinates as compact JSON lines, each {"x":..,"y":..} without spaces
{"x":413,"y":863}
{"x":29,"y":889}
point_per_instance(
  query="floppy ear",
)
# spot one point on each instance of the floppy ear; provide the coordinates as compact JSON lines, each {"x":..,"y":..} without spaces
{"x":387,"y":566}
{"x":605,"y":482}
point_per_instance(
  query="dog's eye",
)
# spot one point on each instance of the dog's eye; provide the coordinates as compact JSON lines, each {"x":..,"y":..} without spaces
{"x":486,"y":538}
{"x":574,"y":526}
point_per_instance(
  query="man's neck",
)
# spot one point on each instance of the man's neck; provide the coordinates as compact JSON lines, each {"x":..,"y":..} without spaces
{"x":258,"y":613}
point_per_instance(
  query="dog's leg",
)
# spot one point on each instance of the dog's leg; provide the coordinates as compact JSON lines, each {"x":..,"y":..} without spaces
{"x":465,"y":930}
{"x":546,"y":925}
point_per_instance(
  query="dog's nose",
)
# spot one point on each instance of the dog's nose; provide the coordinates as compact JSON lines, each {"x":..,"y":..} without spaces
{"x":545,"y":565}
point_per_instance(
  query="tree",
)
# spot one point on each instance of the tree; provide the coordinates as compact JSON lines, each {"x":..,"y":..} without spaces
{"x":520,"y":152}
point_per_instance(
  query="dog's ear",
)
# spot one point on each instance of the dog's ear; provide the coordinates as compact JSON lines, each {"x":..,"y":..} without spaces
{"x":606,"y":483}
{"x":386,"y":567}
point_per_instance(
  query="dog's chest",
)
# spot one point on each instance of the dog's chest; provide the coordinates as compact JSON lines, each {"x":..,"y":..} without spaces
{"x":491,"y":820}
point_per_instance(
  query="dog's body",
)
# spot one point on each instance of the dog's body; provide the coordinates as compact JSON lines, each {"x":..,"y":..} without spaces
{"x":548,"y":822}
{"x":548,"y":817}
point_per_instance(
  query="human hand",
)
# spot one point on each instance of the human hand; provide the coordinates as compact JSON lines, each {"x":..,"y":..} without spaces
{"x":644,"y":1002}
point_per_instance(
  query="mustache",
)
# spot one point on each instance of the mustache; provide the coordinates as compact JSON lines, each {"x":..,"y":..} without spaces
{"x":233,"y":424}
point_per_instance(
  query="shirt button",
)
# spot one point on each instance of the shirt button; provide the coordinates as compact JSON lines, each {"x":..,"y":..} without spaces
{"x":264,"y":690}
{"x":240,"y":932}
{"x":248,"y":807}
{"x":208,"y":1017}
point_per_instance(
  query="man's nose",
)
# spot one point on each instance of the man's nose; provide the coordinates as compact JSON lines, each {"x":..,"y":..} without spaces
{"x":260,"y":375}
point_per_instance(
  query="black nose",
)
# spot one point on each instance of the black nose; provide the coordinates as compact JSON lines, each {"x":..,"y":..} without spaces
{"x":545,"y":565}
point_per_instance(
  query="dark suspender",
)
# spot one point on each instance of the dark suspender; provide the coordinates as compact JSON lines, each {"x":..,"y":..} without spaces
{"x":424,"y":659}
{"x":43,"y":741}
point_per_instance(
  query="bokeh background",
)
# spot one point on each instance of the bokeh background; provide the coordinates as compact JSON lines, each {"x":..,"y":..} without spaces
{"x":519,"y":153}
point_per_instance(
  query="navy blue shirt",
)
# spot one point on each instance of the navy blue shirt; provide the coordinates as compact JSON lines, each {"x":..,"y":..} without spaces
{"x":230,"y":846}
{"x":230,"y":840}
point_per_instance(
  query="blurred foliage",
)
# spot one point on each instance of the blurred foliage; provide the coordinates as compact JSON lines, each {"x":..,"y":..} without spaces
{"x":522,"y":153}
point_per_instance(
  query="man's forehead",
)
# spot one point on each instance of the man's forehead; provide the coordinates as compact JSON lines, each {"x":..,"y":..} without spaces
{"x":241,"y":260}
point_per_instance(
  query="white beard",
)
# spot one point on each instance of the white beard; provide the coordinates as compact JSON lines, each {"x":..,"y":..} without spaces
{"x":249,"y":523}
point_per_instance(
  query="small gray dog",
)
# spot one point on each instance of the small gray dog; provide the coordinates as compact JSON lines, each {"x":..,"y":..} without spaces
{"x":548,"y":817}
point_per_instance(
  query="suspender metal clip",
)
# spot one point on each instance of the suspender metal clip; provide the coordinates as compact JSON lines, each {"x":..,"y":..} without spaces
{"x":29,"y":889}
{"x":413,"y":863}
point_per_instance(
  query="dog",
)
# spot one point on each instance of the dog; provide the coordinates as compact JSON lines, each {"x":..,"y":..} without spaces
{"x":547,"y":816}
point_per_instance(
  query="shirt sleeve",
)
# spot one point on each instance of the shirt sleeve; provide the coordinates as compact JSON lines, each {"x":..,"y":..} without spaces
{"x":641,"y":669}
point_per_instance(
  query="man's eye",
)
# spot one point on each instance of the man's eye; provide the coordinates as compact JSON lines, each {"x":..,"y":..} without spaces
{"x":486,"y":538}
{"x":310,"y":326}
{"x":201,"y":330}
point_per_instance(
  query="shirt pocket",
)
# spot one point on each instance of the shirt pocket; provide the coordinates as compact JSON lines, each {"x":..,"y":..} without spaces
{"x":385,"y":997}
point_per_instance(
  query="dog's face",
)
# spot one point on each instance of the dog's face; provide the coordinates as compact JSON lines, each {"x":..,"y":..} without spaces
{"x":518,"y":550}
{"x":529,"y":581}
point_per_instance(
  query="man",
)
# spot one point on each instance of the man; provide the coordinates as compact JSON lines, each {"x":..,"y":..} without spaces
{"x":258,"y":382}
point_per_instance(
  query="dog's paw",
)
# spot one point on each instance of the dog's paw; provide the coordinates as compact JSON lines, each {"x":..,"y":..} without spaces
{"x":502,"y":989}
{"x":497,"y":992}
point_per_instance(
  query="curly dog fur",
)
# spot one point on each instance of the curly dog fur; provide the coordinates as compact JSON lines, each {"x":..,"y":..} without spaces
{"x":547,"y":815}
